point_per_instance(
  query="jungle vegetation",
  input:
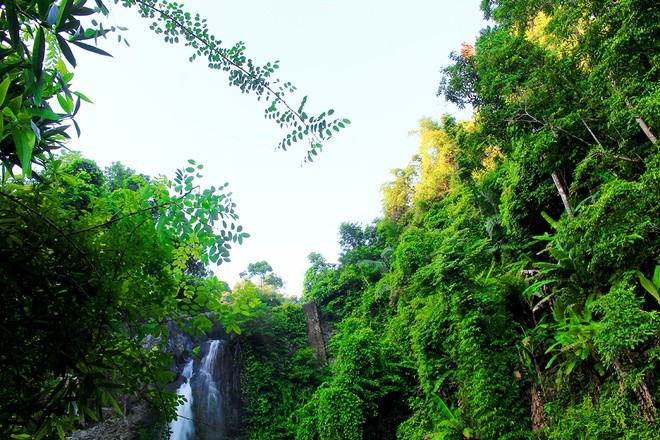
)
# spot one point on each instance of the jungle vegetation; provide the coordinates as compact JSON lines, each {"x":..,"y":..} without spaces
{"x":509,"y":291}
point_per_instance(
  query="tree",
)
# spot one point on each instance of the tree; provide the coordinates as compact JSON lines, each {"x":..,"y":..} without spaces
{"x":397,"y":195}
{"x":81,"y":181}
{"x":121,"y":176}
{"x":264,"y":272}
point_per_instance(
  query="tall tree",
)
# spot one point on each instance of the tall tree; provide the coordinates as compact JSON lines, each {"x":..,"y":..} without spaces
{"x":264,"y":272}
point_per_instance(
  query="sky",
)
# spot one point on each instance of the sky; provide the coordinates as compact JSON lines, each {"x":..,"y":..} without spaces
{"x":376,"y":63}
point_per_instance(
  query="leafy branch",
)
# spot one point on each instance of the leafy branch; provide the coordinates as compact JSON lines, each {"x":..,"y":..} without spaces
{"x":38,"y":35}
{"x":173,"y":22}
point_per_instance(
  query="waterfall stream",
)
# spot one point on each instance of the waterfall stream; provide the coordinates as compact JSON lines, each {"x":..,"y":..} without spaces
{"x":210,"y":404}
{"x":200,"y":417}
{"x":183,"y":427}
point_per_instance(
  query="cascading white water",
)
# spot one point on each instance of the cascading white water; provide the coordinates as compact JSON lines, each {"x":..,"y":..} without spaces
{"x":183,"y":427}
{"x":208,"y":405}
{"x":203,"y":401}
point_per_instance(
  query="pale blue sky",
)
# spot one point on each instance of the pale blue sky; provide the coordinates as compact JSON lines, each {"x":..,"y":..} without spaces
{"x":375,"y":62}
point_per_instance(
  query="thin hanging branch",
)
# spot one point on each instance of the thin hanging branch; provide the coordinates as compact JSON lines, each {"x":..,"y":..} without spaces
{"x":642,"y":123}
{"x":562,"y":194}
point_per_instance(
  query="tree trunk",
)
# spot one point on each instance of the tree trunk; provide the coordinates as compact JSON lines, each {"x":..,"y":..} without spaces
{"x":640,"y":121}
{"x":646,"y":401}
{"x":314,"y":332}
{"x":538,"y":414}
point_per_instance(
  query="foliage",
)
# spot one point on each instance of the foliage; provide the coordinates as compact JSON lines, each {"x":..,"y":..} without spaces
{"x":85,"y":285}
{"x":521,"y":247}
{"x":279,"y":371}
{"x":95,"y":264}
{"x":336,"y":288}
{"x":509,"y":292}
{"x":433,"y":419}
{"x":361,"y":400}
{"x":609,"y":418}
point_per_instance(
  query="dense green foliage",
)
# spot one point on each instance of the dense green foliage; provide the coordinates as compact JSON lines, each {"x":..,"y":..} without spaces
{"x":511,"y":290}
{"x":89,"y":273}
{"x":279,"y":370}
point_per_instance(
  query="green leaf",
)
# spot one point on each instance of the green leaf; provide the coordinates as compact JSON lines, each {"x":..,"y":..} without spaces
{"x":82,"y":11}
{"x":108,"y":397}
{"x":65,"y":7}
{"x":549,"y":219}
{"x":66,"y":103}
{"x":4,"y":86}
{"x":656,"y":276}
{"x":14,"y":104}
{"x":90,"y":48}
{"x":24,"y":139}
{"x":8,"y":113}
{"x":44,"y":113}
{"x":66,"y":50}
{"x":83,"y":97}
{"x":536,"y":287}
{"x":75,"y":125}
{"x":649,"y":286}
{"x":43,"y":7}
{"x":87,"y":410}
{"x":70,"y":25}
{"x":14,"y":32}
{"x":60,"y":432}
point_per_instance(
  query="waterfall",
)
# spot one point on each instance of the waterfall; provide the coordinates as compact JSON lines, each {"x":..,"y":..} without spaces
{"x":183,"y":427}
{"x":201,"y":416}
{"x":206,"y":381}
{"x":208,"y":399}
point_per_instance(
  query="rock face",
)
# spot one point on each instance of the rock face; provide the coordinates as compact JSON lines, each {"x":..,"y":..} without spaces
{"x":314,"y":332}
{"x":139,"y":417}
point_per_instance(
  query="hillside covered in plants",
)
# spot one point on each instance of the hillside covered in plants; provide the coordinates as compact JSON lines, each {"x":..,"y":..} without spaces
{"x":511,"y":288}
